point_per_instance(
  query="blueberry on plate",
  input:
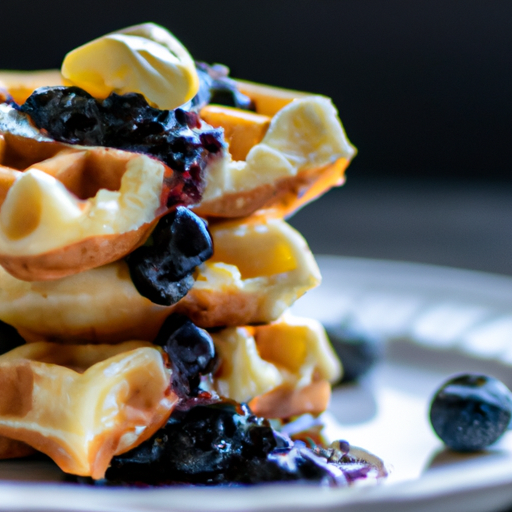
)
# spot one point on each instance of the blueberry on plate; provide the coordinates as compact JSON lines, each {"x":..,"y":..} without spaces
{"x":357,"y":349}
{"x":471,"y":411}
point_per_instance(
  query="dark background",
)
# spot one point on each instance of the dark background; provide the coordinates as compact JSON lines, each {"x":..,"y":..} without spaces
{"x":423,"y":89}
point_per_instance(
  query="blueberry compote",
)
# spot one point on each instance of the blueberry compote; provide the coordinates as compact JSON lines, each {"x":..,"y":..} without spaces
{"x":213,"y":441}
{"x":162,"y":269}
{"x":176,"y":137}
{"x":224,"y":443}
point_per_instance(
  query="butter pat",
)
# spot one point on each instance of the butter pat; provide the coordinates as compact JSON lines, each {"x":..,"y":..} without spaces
{"x":146,"y":59}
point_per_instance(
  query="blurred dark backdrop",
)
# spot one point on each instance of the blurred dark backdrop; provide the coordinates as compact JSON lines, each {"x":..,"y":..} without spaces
{"x":423,"y":89}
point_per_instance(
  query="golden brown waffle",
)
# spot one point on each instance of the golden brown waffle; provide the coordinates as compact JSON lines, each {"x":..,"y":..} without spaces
{"x":268,"y":166}
{"x":258,"y":269}
{"x":65,"y":209}
{"x":277,"y":163}
{"x":81,"y":405}
{"x":282,"y":369}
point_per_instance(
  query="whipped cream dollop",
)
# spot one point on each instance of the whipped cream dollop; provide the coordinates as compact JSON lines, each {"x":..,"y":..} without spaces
{"x":146,"y":59}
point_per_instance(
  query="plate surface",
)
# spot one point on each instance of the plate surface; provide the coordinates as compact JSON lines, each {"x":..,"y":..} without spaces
{"x":437,"y":321}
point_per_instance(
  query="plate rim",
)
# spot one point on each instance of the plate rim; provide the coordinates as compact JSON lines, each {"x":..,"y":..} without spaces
{"x":436,"y":484}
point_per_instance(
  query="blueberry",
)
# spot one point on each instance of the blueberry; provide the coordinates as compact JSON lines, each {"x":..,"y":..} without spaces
{"x":357,"y":349}
{"x":68,"y":114}
{"x":191,"y":353}
{"x":470,"y":412}
{"x":161,"y":270}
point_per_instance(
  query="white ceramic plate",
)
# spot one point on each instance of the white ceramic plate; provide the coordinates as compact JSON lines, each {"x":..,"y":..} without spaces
{"x":438,"y":322}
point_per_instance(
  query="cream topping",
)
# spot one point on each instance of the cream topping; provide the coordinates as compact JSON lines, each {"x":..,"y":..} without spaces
{"x":144,"y":58}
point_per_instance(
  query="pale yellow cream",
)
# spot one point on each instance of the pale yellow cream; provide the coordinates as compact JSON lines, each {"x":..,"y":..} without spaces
{"x":146,"y":59}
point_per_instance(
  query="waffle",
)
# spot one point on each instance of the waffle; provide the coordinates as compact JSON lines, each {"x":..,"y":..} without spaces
{"x":282,"y":369}
{"x":233,"y":288}
{"x":286,"y":154}
{"x":277,"y":164}
{"x":287,"y":362}
{"x":80,"y":404}
{"x":65,"y":209}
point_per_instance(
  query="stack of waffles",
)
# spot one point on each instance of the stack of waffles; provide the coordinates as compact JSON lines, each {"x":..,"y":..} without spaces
{"x":91,"y":380}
